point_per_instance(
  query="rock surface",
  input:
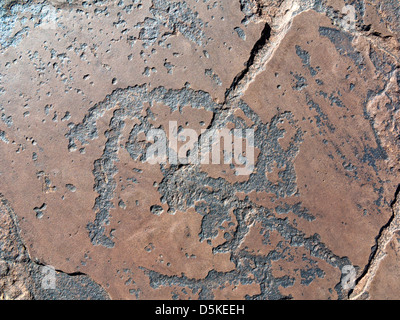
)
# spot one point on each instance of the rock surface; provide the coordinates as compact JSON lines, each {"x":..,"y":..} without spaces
{"x":81,"y":82}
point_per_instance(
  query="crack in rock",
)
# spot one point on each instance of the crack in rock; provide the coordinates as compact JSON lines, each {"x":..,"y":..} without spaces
{"x":386,"y":234}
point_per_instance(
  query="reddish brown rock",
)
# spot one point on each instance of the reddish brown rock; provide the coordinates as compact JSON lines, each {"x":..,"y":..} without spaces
{"x":82,"y":85}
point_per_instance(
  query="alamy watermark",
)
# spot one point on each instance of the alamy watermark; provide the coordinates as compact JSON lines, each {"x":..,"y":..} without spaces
{"x":348,"y":22}
{"x":349,"y":277}
{"x":49,"y":277}
{"x":186,"y":146}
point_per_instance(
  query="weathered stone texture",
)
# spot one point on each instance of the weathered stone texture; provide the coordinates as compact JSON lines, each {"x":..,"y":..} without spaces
{"x":82,"y":81}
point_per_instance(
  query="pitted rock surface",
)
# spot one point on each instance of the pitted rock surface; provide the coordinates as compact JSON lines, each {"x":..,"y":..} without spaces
{"x":81,"y":82}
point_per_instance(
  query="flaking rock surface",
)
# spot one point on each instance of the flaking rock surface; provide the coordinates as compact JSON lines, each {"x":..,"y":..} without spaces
{"x":81,"y":82}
